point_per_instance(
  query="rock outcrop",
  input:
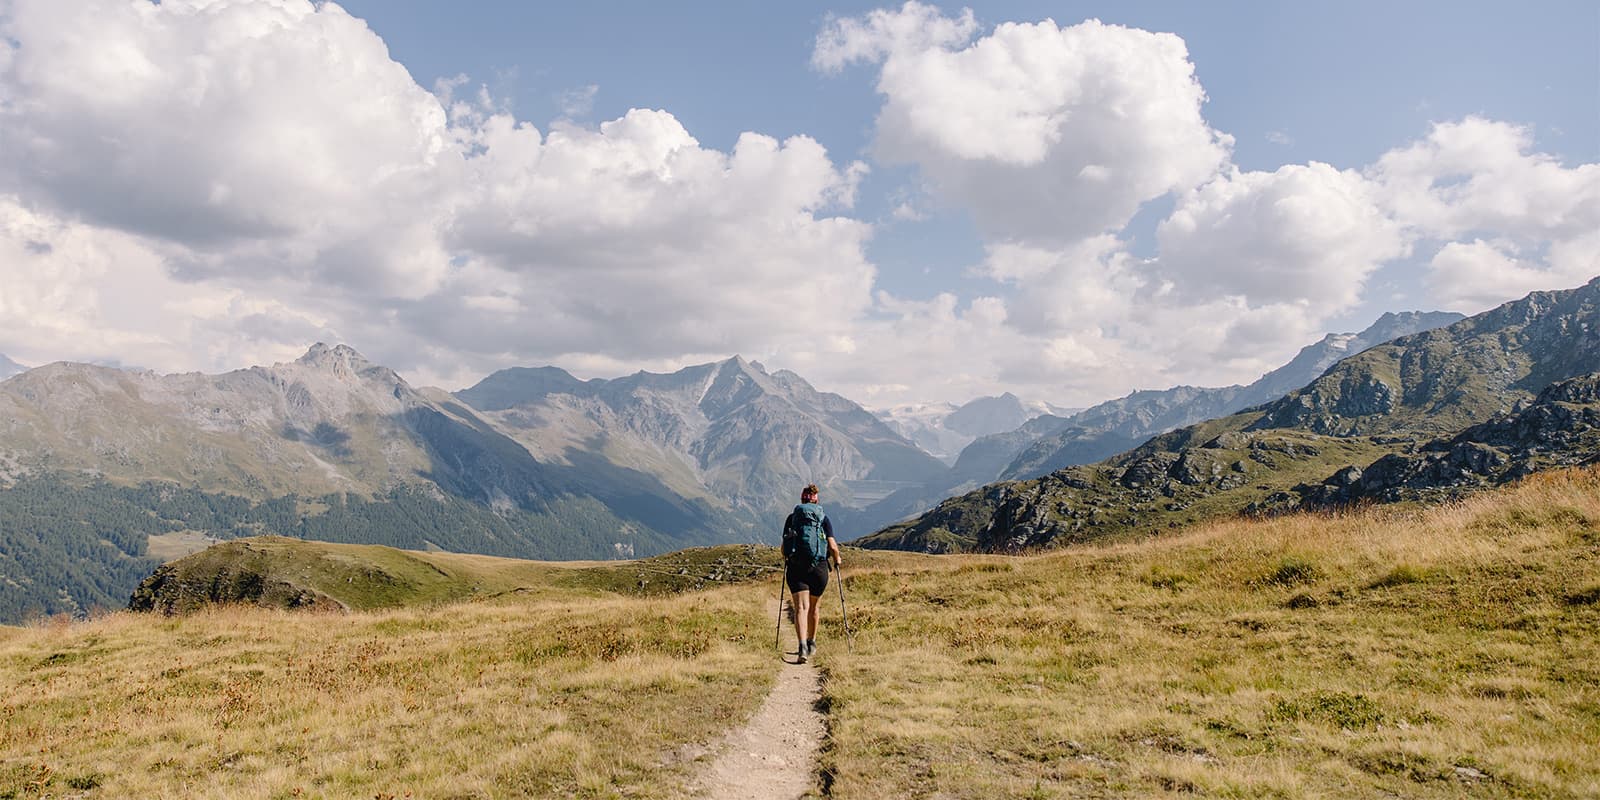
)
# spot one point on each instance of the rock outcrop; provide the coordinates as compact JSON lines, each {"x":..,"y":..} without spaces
{"x":1117,"y":425}
{"x":1559,"y":428}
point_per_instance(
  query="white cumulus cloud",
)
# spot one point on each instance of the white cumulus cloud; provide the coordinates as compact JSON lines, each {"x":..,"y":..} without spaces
{"x":271,"y":164}
{"x":1505,"y":220}
{"x":202,"y":184}
{"x":250,"y":136}
{"x":1301,"y":234}
{"x":1045,"y":133}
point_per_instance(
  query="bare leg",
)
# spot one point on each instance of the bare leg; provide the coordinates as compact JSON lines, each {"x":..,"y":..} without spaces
{"x":811,"y":626}
{"x":805,"y":617}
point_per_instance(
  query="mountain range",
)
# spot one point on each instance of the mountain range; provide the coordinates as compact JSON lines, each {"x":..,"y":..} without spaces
{"x":944,"y":429}
{"x":101,"y":465}
{"x":9,"y":367}
{"x":530,"y":463}
{"x":729,"y":432}
{"x":1450,"y":408}
{"x":1049,"y":442}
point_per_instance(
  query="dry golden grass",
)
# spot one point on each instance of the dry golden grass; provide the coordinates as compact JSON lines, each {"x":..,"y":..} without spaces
{"x":517,"y":697}
{"x":1441,"y":653}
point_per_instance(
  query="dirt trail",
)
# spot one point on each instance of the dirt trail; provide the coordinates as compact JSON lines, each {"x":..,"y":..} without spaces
{"x":775,"y":756}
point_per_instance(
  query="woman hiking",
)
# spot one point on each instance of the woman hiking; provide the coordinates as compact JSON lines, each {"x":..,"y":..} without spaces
{"x":808,"y":546}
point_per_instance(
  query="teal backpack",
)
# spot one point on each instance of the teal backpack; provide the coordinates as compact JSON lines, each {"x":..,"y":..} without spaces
{"x":804,"y":539}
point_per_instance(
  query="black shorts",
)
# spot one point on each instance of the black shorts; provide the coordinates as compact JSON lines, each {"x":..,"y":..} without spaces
{"x":803,"y":577}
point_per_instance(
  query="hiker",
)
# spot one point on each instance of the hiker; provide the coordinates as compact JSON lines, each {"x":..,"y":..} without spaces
{"x":808,"y":545}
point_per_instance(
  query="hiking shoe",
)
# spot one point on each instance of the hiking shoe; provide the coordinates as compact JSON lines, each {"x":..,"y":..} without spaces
{"x":801,"y":655}
{"x":811,"y":649}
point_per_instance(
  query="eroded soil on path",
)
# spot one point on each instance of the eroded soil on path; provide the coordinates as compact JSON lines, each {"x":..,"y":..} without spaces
{"x":775,"y":756}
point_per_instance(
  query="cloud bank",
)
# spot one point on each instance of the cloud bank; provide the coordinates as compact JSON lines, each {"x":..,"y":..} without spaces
{"x":203,"y":184}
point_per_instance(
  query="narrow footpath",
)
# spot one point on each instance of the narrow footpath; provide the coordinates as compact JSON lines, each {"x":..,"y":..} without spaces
{"x":775,"y":756}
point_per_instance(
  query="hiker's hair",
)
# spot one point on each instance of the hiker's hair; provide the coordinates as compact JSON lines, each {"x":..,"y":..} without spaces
{"x":809,"y":491}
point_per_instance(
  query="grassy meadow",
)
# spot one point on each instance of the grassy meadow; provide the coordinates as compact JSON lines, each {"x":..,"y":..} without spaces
{"x":1447,"y":652}
{"x":540,"y":694}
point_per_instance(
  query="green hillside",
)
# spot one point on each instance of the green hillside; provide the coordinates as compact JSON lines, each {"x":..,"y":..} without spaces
{"x":73,"y":546}
{"x":278,"y":572}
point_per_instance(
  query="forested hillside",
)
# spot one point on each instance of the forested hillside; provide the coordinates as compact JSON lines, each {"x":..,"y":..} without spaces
{"x":69,"y":548}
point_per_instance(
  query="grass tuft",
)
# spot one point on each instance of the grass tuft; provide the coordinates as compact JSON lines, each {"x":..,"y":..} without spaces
{"x":1162,"y":576}
{"x":1399,"y":576}
{"x":1339,"y":709}
{"x":1291,"y":570}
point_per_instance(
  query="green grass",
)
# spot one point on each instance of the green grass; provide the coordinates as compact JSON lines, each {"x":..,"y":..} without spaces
{"x":280,"y":572}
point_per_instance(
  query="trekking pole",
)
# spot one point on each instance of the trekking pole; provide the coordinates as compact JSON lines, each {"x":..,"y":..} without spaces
{"x":850,"y":639}
{"x":777,"y":632}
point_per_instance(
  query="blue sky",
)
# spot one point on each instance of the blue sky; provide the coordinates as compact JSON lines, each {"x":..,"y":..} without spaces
{"x":913,"y":237}
{"x":1293,"y":82}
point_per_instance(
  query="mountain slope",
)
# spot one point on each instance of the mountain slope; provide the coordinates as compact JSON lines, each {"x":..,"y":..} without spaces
{"x":1384,"y":400}
{"x":1560,"y":428}
{"x":727,"y":432}
{"x":1436,"y":655}
{"x":9,"y":367}
{"x":329,"y":446}
{"x":1046,"y":443}
{"x":1100,"y":431}
{"x":985,"y":415}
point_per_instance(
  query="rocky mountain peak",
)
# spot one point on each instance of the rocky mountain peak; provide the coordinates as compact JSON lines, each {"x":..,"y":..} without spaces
{"x":336,"y":357}
{"x":1394,"y":324}
{"x":345,"y":364}
{"x":515,"y":386}
{"x":739,"y":364}
{"x":734,"y":383}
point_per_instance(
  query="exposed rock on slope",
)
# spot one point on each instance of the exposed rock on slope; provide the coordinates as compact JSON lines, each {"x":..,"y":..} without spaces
{"x":727,"y":432}
{"x":1047,"y":443}
{"x":1382,"y":401}
{"x":1560,"y":428}
{"x":1113,"y":426}
{"x":330,"y":423}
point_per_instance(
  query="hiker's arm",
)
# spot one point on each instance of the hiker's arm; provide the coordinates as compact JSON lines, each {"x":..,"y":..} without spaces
{"x":833,"y":544}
